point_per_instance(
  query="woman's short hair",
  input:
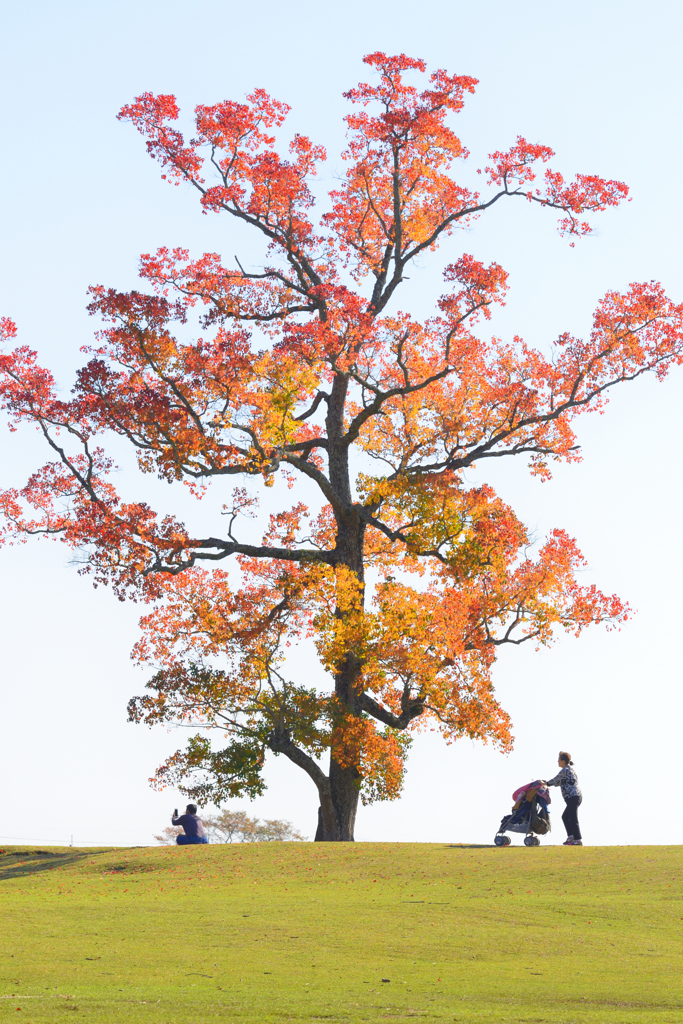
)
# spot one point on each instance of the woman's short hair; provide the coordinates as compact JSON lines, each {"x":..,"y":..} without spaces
{"x":564,"y":756}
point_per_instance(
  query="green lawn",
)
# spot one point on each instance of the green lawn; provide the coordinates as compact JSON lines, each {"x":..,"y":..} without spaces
{"x":342,"y":932}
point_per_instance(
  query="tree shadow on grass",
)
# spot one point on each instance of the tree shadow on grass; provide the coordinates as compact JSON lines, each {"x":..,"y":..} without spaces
{"x":470,"y":846}
{"x":19,"y":862}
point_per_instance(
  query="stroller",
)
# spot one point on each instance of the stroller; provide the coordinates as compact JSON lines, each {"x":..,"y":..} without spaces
{"x":529,"y":815}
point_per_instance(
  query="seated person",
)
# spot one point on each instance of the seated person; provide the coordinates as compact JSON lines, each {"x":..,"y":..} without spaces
{"x":193,"y":826}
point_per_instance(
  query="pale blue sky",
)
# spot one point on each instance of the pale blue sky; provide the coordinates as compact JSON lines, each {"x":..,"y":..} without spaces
{"x":80,"y":200}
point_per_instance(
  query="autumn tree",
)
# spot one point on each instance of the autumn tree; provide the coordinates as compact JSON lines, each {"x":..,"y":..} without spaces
{"x":404,"y":580}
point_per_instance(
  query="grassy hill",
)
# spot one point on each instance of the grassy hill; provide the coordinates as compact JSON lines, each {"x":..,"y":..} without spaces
{"x":340,"y":932}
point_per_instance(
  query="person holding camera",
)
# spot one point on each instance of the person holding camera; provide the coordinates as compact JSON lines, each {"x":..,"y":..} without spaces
{"x":192,"y":826}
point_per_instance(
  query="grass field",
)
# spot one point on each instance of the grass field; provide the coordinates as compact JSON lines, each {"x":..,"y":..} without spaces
{"x":340,"y":932}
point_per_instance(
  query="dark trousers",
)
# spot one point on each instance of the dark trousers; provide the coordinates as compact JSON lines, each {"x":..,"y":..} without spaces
{"x":190,"y":840}
{"x":570,"y":817}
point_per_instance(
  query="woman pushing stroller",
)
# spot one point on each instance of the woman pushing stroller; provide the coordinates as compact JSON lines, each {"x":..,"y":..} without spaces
{"x":568,"y":781}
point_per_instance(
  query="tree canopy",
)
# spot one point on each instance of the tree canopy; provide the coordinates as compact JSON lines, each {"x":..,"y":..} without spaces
{"x":404,"y":579}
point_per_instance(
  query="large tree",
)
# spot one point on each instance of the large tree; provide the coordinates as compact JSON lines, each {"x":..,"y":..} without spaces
{"x":402,"y":580}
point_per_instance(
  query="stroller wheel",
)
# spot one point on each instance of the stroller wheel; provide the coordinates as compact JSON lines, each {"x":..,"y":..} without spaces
{"x":500,"y":840}
{"x":531,"y":841}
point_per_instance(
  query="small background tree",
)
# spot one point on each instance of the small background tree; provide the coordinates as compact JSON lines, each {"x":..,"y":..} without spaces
{"x":237,"y":827}
{"x":168,"y":835}
{"x":406,"y":580}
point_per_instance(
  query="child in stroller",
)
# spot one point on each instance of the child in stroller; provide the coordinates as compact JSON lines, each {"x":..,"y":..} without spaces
{"x":529,"y":815}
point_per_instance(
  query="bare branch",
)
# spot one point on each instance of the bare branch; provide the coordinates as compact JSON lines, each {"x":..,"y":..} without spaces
{"x":412,"y":710}
{"x":280,"y":742}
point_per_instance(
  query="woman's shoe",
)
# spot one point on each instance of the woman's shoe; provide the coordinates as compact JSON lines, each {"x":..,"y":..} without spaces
{"x":576,"y":842}
{"x":569,"y":841}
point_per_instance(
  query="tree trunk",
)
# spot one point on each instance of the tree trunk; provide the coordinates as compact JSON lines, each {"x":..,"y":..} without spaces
{"x":337,"y":817}
{"x":344,"y":794}
{"x":337,"y":813}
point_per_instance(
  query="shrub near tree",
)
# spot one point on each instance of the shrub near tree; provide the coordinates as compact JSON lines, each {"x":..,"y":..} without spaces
{"x":307,"y":369}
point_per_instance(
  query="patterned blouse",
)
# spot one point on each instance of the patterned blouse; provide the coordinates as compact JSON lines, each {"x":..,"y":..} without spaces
{"x":568,"y":780}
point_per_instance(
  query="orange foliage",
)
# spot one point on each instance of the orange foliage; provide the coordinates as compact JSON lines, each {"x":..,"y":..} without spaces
{"x":302,"y":370}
